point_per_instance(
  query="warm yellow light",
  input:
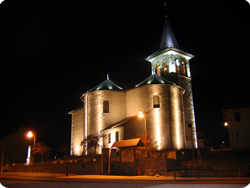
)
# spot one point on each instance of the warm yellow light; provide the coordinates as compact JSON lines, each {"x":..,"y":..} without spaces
{"x":225,"y":124}
{"x":29,"y":134}
{"x":140,"y":115}
{"x":158,"y":130}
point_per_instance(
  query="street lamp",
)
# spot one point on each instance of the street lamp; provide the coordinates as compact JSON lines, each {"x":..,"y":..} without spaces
{"x":141,"y":115}
{"x":30,"y":134}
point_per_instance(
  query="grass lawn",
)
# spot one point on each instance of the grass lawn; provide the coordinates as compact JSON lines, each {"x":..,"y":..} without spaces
{"x":226,"y":160}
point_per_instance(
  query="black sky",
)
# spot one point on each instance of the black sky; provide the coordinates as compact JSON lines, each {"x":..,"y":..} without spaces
{"x":53,"y":53}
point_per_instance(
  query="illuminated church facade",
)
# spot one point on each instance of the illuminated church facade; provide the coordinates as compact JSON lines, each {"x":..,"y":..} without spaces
{"x":165,"y":97}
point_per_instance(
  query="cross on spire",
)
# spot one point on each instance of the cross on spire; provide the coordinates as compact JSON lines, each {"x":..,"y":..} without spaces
{"x":165,"y":7}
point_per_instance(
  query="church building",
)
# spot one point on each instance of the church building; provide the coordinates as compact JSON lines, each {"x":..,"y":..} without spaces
{"x":165,"y":99}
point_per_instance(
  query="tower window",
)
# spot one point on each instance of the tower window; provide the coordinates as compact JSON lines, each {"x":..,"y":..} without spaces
{"x":177,"y":65}
{"x":183,"y":68}
{"x":165,"y":67}
{"x":158,"y":69}
{"x":156,"y":101}
{"x":105,"y":106}
{"x":117,"y":136}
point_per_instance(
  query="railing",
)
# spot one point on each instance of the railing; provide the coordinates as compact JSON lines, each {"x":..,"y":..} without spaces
{"x":184,"y":169}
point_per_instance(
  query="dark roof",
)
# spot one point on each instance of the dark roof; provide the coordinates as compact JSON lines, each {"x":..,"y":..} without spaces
{"x":128,"y":143}
{"x":75,"y":109}
{"x":121,"y":123}
{"x":155,"y":79}
{"x":168,"y":38}
{"x":106,"y":85}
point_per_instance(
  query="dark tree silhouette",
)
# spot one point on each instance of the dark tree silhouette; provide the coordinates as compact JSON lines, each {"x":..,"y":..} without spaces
{"x":92,"y":140}
{"x":64,"y":148}
{"x":149,"y":145}
{"x":40,"y":148}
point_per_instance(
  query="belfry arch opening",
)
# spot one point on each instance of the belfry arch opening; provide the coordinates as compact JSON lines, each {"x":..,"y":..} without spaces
{"x":158,"y":69}
{"x":177,"y":61}
{"x":183,"y":66}
{"x":165,"y":67}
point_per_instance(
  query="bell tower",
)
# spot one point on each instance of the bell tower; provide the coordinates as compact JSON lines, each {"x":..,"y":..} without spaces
{"x":172,"y":64}
{"x":169,"y":61}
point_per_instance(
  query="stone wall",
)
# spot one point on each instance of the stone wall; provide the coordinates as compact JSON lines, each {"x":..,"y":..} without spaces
{"x":151,"y":167}
{"x":75,"y":168}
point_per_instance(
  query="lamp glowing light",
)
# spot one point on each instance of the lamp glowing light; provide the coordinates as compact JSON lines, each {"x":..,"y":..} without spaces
{"x":30,"y":134}
{"x":225,"y":124}
{"x":140,"y":115}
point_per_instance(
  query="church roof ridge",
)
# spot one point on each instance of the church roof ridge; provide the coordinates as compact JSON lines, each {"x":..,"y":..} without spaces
{"x":155,"y":79}
{"x":106,"y":85}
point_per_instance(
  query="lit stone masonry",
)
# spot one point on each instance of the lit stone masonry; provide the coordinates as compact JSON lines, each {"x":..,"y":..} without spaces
{"x":77,"y":131}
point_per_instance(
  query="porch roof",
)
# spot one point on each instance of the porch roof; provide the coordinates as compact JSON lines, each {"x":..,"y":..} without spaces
{"x":128,"y":143}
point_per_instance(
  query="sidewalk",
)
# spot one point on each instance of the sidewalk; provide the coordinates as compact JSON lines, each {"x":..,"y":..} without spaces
{"x":115,"y":178}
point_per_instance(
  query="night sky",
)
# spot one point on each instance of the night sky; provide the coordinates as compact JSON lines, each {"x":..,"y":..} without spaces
{"x":53,"y":53}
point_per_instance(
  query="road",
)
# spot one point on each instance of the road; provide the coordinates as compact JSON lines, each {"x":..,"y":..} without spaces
{"x":40,"y":180}
{"x":52,"y":184}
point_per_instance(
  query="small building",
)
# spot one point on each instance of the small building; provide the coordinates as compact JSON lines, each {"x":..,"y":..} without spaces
{"x":238,"y":122}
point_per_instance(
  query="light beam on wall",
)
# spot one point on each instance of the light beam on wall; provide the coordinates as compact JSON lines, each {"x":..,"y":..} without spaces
{"x":158,"y":129}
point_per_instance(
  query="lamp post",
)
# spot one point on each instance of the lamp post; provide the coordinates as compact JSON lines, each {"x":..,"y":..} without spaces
{"x":141,"y":115}
{"x":30,"y":134}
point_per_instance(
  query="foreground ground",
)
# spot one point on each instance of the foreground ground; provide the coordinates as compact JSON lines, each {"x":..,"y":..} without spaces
{"x":120,"y":179}
{"x":50,"y":184}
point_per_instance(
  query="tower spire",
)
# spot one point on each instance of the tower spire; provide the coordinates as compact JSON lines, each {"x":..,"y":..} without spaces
{"x":165,"y":7}
{"x":168,"y":38}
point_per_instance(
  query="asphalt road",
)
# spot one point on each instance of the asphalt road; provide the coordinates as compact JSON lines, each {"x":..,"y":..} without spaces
{"x":51,"y":184}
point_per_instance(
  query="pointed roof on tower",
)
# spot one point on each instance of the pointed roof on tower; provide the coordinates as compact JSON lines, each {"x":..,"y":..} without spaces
{"x":106,"y":85}
{"x":168,"y":43}
{"x":168,"y":38}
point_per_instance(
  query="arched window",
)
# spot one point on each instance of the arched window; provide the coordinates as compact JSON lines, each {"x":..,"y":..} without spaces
{"x":105,"y":106}
{"x":156,"y":101}
{"x":183,"y":68}
{"x":165,"y":67}
{"x":172,"y":67}
{"x":158,"y":69}
{"x":177,"y":61}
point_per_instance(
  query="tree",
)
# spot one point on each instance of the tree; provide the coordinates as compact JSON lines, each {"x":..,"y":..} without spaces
{"x":40,"y":148}
{"x":92,"y":140}
{"x":149,"y":145}
{"x":64,"y":148}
